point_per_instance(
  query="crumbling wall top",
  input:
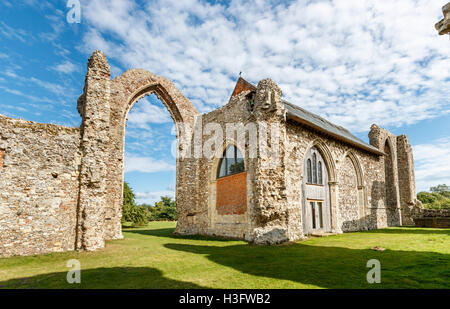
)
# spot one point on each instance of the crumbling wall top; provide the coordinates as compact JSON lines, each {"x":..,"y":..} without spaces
{"x":98,"y":63}
{"x":443,"y":26}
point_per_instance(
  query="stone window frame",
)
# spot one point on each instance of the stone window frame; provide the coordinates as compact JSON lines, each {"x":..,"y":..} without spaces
{"x":329,"y":162}
{"x":224,"y":160}
{"x":212,"y":187}
{"x":314,"y":171}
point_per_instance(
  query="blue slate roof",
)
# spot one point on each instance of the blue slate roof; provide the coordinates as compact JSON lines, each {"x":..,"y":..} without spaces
{"x":320,"y":124}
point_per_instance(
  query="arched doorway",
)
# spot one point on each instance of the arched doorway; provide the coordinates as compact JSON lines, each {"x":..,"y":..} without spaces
{"x":316,"y":194}
{"x":150,"y":158}
{"x":129,"y":88}
{"x":104,"y":106}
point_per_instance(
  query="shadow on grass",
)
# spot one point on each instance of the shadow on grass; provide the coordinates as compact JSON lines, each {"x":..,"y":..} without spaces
{"x":330,"y":267}
{"x":410,"y":230}
{"x":102,"y":278}
{"x":169,"y":234}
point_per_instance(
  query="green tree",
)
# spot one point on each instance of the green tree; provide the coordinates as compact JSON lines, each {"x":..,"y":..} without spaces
{"x":440,"y":188}
{"x":128,"y":195}
{"x":438,"y":198}
{"x":132,"y":213}
{"x":164,"y":210}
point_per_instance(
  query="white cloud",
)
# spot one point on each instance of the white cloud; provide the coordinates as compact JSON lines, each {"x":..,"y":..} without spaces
{"x":354,"y":62}
{"x":152,"y":197}
{"x":432,"y":164}
{"x":13,"y":33}
{"x":145,"y":113}
{"x":63,"y":90}
{"x":29,"y":97}
{"x":134,"y":163}
{"x":66,"y":67}
{"x":7,"y":3}
{"x":52,"y":87}
{"x":14,"y":107}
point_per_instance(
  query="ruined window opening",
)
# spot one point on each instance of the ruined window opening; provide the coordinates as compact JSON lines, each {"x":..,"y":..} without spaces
{"x":251,"y":99}
{"x":309,"y":171}
{"x":232,"y":162}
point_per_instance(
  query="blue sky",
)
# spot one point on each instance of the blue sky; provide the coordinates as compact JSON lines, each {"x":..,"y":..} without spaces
{"x":353,"y":62}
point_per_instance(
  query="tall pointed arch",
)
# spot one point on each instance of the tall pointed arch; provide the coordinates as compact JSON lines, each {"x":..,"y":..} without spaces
{"x":328,"y":158}
{"x":126,"y":90}
{"x":361,"y":194}
{"x":358,"y":169}
{"x":319,"y":213}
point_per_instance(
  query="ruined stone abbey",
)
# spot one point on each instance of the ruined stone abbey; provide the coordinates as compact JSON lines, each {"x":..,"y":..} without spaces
{"x":61,"y":188}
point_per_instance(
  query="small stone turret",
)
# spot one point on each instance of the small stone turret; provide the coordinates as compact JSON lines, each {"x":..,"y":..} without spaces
{"x":268,"y":97}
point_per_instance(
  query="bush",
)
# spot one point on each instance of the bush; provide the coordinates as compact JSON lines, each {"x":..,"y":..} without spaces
{"x":164,"y":210}
{"x":439,"y":198}
{"x":132,"y":213}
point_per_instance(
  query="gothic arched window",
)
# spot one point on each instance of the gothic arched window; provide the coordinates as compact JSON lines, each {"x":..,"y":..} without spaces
{"x":308,"y":171}
{"x":320,"y":173}
{"x":232,"y":162}
{"x":314,"y":156}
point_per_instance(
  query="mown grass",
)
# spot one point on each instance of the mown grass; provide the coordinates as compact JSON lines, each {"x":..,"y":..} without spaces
{"x":151,"y":257}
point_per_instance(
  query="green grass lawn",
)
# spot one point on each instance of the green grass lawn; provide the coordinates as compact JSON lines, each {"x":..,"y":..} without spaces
{"x":151,"y":257}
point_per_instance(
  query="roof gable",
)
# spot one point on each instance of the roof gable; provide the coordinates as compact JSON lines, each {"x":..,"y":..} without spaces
{"x":241,"y":86}
{"x":313,"y":121}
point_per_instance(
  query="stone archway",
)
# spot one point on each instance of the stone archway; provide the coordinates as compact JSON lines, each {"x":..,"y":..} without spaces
{"x":104,"y":107}
{"x":362,"y":196}
{"x":239,"y":181}
{"x":316,"y":201}
{"x":352,"y":193}
{"x":331,"y":185}
{"x":127,"y":90}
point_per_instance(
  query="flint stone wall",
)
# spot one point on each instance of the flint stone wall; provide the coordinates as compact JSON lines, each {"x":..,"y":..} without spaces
{"x":274,"y":203}
{"x":61,"y":188}
{"x":38,"y":187}
{"x":227,"y":225}
{"x":360,"y":206}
